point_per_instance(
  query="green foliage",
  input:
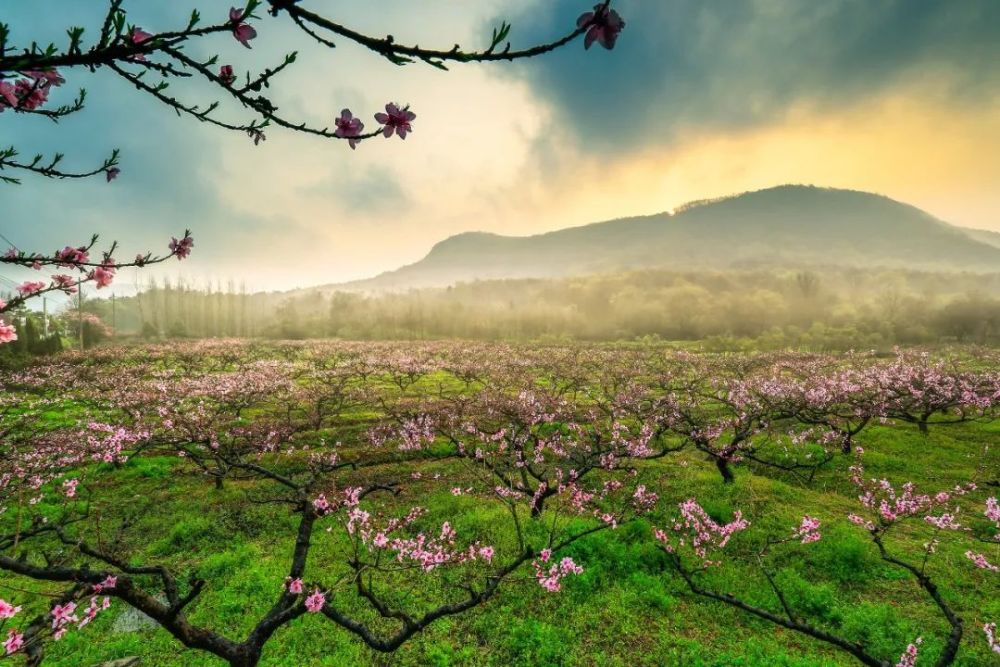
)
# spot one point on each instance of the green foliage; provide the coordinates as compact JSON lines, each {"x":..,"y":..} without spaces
{"x":534,"y":643}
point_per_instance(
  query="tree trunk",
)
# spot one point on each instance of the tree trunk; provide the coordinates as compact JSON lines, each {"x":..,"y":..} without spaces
{"x":725,"y":470}
{"x":247,"y":657}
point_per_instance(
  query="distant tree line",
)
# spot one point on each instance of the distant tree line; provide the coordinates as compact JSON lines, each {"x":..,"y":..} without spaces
{"x":821,"y":309}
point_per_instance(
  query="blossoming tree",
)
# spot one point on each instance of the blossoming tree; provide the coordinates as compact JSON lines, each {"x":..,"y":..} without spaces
{"x":695,"y":543}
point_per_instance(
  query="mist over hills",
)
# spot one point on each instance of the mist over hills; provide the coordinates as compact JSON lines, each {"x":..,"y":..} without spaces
{"x":789,"y":226}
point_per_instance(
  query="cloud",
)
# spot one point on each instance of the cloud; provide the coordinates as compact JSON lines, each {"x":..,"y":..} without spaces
{"x":374,"y":190}
{"x":690,"y":66}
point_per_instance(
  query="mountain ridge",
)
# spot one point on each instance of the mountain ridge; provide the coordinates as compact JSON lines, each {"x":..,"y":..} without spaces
{"x":782,"y":226}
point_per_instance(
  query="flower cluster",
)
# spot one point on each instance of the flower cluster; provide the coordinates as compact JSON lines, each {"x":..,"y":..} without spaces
{"x":909,"y":656}
{"x":551,"y":579}
{"x":888,"y":505}
{"x":30,"y":92}
{"x":314,"y":603}
{"x":808,"y":530}
{"x":351,"y":498}
{"x":699,"y":532}
{"x":993,"y":514}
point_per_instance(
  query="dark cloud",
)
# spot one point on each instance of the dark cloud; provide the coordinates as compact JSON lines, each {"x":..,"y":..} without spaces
{"x":692,"y":65}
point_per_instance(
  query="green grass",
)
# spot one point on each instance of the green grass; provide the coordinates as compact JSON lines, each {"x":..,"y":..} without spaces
{"x":627,"y":608}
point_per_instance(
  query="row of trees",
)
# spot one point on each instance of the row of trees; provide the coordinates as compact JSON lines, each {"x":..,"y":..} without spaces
{"x":836,"y":310}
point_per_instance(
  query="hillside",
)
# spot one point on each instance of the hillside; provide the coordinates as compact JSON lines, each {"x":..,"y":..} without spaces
{"x":985,"y":236}
{"x":785,"y":226}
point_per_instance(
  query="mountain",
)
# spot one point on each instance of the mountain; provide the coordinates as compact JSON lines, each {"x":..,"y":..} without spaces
{"x":789,"y":226}
{"x":985,"y":236}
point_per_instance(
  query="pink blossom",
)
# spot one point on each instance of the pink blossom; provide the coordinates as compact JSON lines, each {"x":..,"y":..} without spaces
{"x":808,"y":530}
{"x":643,"y":500}
{"x":66,"y":283}
{"x":226,"y":75}
{"x":605,"y":26}
{"x":139,"y":36}
{"x":993,"y":510}
{"x":51,"y":77}
{"x":696,"y":530}
{"x":294,"y":585}
{"x":29,"y":287}
{"x":8,"y":97}
{"x":8,"y":334}
{"x":551,"y":579}
{"x":348,"y":127}
{"x":109,"y":583}
{"x":979,"y":560}
{"x":63,"y":615}
{"x":315,"y":602}
{"x":991,"y":636}
{"x":7,"y":610}
{"x":909,"y":657}
{"x":69,"y":487}
{"x":241,"y":31}
{"x":181,"y":248}
{"x":395,"y":120}
{"x":102,"y":276}
{"x":486,"y":553}
{"x":112,"y":173}
{"x":70,"y":257}
{"x":945,"y":522}
{"x":90,"y":613}
{"x":30,"y":94}
{"x":15,"y":640}
{"x":321,"y":505}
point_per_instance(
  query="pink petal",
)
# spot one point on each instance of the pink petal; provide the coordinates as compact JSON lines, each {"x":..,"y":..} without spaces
{"x":244,"y":33}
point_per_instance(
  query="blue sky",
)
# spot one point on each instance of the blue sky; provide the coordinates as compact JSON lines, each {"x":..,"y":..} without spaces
{"x":700,"y":98}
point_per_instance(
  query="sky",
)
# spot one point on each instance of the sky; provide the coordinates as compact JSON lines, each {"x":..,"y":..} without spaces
{"x":699,"y":99}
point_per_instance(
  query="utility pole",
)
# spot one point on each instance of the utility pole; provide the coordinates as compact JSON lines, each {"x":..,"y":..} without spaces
{"x":79,"y":309}
{"x":45,"y":317}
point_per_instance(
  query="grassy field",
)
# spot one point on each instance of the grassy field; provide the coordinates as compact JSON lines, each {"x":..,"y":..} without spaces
{"x":627,"y":608}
